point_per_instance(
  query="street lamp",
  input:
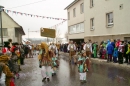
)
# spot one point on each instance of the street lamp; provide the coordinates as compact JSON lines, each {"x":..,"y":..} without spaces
{"x":1,"y":9}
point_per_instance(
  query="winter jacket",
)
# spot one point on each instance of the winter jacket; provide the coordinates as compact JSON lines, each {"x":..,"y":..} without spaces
{"x":115,"y":54}
{"x":121,"y":48}
{"x":128,"y":51}
{"x":125,"y":48}
{"x":113,"y":44}
{"x":110,"y":49}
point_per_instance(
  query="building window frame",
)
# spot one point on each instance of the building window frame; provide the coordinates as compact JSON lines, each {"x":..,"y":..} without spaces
{"x":76,"y":28}
{"x":68,"y":15}
{"x":92,"y":24}
{"x":74,"y":12}
{"x":91,"y":3}
{"x":82,"y":8}
{"x":109,"y":19}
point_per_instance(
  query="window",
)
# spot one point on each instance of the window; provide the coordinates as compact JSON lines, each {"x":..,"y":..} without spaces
{"x":5,"y":32}
{"x":109,"y":19}
{"x":82,"y":8}
{"x":74,"y":28}
{"x":70,"y":29}
{"x":68,"y":15}
{"x":92,"y":24}
{"x":16,"y":32}
{"x":81,"y":27}
{"x":77,"y":28}
{"x":74,"y":12}
{"x":91,"y":3}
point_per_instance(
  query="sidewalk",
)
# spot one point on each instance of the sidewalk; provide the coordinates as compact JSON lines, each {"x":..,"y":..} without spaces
{"x":103,"y":61}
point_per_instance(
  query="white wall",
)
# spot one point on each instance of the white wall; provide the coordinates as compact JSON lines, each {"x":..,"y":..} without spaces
{"x":7,"y":22}
{"x":10,"y":24}
{"x":75,"y":20}
{"x":98,"y":12}
{"x":79,"y":17}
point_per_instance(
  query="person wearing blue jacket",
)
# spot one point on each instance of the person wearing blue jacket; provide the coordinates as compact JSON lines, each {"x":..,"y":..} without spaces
{"x":110,"y":50}
{"x":115,"y":55}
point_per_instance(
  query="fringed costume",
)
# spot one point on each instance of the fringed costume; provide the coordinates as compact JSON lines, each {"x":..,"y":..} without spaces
{"x":45,"y":61}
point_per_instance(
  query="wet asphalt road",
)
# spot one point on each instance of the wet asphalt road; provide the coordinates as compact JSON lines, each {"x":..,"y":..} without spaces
{"x":67,"y":75}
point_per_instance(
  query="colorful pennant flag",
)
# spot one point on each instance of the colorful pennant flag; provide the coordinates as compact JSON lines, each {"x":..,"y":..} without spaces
{"x":31,"y":15}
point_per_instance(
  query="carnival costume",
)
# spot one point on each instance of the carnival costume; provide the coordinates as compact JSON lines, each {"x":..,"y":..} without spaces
{"x":58,"y":47}
{"x":88,"y":48}
{"x":83,"y":66}
{"x":53,"y":49}
{"x":71,"y":48}
{"x":55,"y":64}
{"x":45,"y":61}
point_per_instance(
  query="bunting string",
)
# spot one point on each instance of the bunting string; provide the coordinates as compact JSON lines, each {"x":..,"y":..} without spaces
{"x":55,"y":26}
{"x":32,"y":15}
{"x":52,"y":27}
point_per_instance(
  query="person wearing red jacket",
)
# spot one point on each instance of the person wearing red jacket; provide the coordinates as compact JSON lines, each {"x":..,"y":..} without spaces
{"x":6,"y":47}
{"x":13,"y":47}
{"x":118,"y":43}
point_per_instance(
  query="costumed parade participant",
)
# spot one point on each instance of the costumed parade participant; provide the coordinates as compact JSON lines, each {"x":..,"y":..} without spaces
{"x":55,"y":64}
{"x":5,"y":69}
{"x":53,"y":49}
{"x":83,"y":66}
{"x":88,"y":48}
{"x":71,"y":48}
{"x":45,"y":62}
{"x":58,"y":47}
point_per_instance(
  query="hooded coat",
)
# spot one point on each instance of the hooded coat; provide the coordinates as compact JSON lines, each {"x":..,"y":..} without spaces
{"x":115,"y":54}
{"x":110,"y":49}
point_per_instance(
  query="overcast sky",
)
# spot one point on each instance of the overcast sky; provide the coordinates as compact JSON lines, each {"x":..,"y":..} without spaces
{"x":48,"y":8}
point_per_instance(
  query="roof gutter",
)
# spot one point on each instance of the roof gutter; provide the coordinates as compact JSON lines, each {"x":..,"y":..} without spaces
{"x":70,"y":5}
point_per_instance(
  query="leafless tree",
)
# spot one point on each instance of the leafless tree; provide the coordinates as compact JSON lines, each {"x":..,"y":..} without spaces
{"x":66,"y":35}
{"x":58,"y":34}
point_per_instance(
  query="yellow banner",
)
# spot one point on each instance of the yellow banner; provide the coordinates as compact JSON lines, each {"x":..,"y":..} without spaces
{"x":46,"y":32}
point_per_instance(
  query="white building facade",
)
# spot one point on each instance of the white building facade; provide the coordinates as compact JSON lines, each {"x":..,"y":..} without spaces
{"x":75,"y":13}
{"x":11,"y":29}
{"x":102,"y":19}
{"x":107,"y":19}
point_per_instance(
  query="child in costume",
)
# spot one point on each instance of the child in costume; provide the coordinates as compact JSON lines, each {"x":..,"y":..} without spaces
{"x":55,"y":64}
{"x":115,"y":55}
{"x":83,"y":66}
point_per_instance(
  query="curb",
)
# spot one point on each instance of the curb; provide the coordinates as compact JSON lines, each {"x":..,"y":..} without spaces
{"x":102,"y":61}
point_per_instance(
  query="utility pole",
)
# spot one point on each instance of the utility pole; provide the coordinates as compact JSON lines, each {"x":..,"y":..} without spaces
{"x":1,"y":9}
